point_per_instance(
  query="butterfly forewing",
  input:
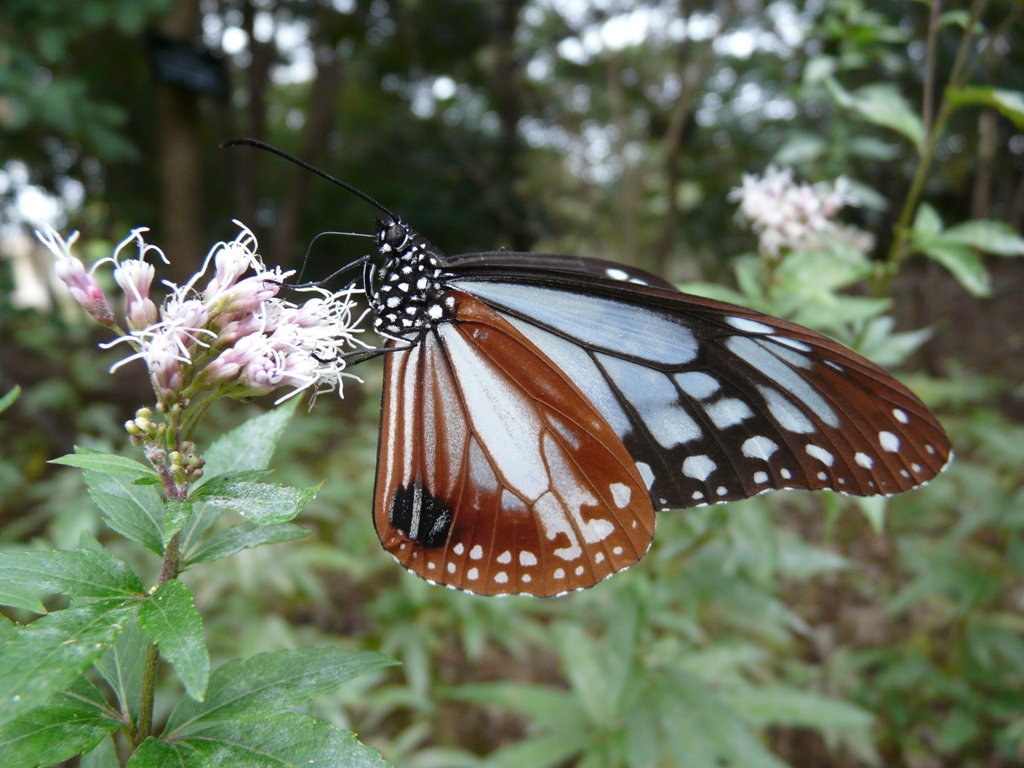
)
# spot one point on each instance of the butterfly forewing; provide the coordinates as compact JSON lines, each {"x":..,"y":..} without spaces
{"x":497,"y":475}
{"x":715,"y":402}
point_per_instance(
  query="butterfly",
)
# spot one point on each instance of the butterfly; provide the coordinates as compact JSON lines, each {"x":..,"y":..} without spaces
{"x":539,"y":409}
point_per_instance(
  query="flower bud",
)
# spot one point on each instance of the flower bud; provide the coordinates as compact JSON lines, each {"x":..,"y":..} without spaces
{"x":85,"y":290}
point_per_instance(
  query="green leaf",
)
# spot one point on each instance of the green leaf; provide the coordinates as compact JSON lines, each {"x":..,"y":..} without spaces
{"x":80,"y":573}
{"x":539,"y":752}
{"x":1009,"y":103}
{"x":988,"y":236}
{"x":8,"y":400}
{"x":873,"y":508}
{"x":20,"y":597}
{"x":271,"y":682}
{"x":122,"y":666}
{"x":927,"y":222}
{"x":134,"y":511}
{"x":552,"y":709}
{"x":960,"y":18}
{"x":962,"y":262}
{"x":177,"y":514}
{"x":244,"y":536}
{"x":882,"y":104}
{"x":173,"y":623}
{"x":86,"y":458}
{"x":781,"y":705}
{"x":45,"y":657}
{"x":103,"y":756}
{"x":71,"y":722}
{"x":262,"y":503}
{"x":286,"y":740}
{"x":251,"y":445}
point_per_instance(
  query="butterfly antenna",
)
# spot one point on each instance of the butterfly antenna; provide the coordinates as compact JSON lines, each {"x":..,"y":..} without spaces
{"x":303,"y":164}
{"x":309,"y":249}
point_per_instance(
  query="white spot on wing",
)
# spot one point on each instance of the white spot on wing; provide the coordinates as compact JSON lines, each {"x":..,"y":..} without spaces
{"x":646,"y":474}
{"x":476,"y":552}
{"x":820,"y":454}
{"x":758,"y":447}
{"x":579,"y":570}
{"x":721,"y":490}
{"x":655,"y":399}
{"x":901,"y":417}
{"x":888,"y":441}
{"x":786,"y":474}
{"x":747,"y":325}
{"x":696,"y":384}
{"x":501,"y":577}
{"x":760,"y":477}
{"x":697,"y":495}
{"x":616,"y":274}
{"x":617,"y":551}
{"x":621,"y":493}
{"x":599,"y":557}
{"x":527,"y":558}
{"x":864,"y":460}
{"x":451,"y":567}
{"x":559,"y":573}
{"x":785,"y":412}
{"x":728,"y":412}
{"x":793,"y":343}
{"x":472,"y":574}
{"x":526,"y":578}
{"x":458,"y":549}
{"x":698,"y":467}
{"x":505,"y":557}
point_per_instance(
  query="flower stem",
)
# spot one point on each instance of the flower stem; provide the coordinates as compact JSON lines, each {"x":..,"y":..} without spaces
{"x":171,"y":568}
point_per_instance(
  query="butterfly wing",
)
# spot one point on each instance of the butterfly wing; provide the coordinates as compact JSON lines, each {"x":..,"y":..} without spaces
{"x":715,"y":402}
{"x":496,"y":474}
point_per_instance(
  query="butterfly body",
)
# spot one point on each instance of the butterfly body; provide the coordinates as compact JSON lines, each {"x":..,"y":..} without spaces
{"x":538,"y":409}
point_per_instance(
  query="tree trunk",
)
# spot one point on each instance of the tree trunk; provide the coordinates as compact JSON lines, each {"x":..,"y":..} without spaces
{"x":323,"y":101}
{"x":179,"y":159}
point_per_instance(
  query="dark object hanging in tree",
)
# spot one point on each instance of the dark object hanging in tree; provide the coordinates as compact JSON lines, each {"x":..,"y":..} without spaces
{"x":188,"y":66}
{"x":538,"y":410}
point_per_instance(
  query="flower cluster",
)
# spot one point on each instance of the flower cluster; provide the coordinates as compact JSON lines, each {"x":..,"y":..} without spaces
{"x":235,"y":336}
{"x":788,"y":215}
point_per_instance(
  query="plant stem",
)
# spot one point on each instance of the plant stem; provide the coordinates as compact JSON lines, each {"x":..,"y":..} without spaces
{"x":899,"y":251}
{"x":170,"y":570}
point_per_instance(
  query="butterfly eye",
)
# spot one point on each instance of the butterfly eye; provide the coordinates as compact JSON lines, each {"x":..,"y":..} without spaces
{"x":396,"y":235}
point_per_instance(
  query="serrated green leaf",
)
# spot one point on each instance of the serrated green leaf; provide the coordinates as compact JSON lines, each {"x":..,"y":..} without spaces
{"x":286,"y":740}
{"x":45,"y":657}
{"x":134,"y":511}
{"x":72,"y":722}
{"x":882,"y":104}
{"x":1009,"y":103}
{"x":177,"y":514}
{"x":86,"y":458}
{"x":8,"y":400}
{"x":271,"y":682}
{"x":962,"y":262}
{"x":173,"y":623}
{"x":246,"y":535}
{"x":79,"y":573}
{"x":989,"y":236}
{"x":781,"y":705}
{"x":262,"y":503}
{"x":103,"y":756}
{"x":251,"y":445}
{"x":122,"y":666}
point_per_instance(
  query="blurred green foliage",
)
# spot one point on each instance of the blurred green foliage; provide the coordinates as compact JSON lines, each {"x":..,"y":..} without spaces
{"x":787,"y":629}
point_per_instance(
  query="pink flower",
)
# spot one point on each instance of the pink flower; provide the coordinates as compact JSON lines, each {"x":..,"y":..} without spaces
{"x":83,"y":286}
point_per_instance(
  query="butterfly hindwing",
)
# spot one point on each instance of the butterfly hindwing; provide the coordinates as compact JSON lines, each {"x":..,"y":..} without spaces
{"x":715,"y":402}
{"x":496,"y":474}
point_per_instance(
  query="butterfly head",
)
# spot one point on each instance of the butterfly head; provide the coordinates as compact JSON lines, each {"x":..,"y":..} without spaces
{"x":407,"y":295}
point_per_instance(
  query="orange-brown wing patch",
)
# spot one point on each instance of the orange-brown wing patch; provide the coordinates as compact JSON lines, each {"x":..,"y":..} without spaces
{"x":496,"y":474}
